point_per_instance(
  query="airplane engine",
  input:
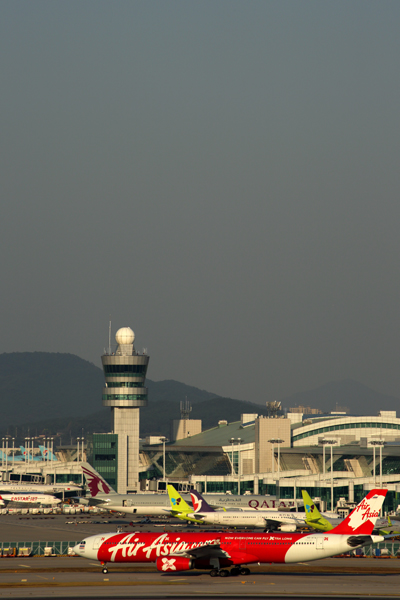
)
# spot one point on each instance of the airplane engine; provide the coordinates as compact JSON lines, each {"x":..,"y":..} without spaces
{"x":260,"y":523}
{"x":174,"y":563}
{"x":287,"y":527}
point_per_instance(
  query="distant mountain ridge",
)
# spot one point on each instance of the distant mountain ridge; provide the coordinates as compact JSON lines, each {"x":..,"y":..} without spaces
{"x":42,"y":385}
{"x":42,"y":392}
{"x":350,"y":394}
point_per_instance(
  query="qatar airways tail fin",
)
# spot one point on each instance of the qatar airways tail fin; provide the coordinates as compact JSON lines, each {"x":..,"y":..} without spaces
{"x":199,"y":504}
{"x":95,"y":482}
{"x":362,"y":519}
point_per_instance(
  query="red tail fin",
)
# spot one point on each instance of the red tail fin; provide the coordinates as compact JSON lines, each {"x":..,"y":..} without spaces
{"x":362,"y":519}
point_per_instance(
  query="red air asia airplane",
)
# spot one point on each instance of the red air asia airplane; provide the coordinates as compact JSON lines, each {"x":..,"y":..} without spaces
{"x":216,"y":551}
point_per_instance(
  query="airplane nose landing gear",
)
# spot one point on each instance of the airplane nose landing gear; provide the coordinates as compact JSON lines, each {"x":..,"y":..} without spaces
{"x":104,"y":569}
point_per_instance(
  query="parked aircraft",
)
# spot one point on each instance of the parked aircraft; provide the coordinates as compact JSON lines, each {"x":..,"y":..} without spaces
{"x":28,"y":499}
{"x":10,"y":458}
{"x":217,"y":551}
{"x":40,"y":488}
{"x":180,"y":508}
{"x":103,"y":496}
{"x":28,"y":456}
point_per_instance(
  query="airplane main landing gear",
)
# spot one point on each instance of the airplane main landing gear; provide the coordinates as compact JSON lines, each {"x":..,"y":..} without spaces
{"x":219,"y":573}
{"x":234,"y":572}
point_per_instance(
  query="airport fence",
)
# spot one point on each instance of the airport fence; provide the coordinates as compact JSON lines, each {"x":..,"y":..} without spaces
{"x":37,"y":548}
{"x":382,"y":549}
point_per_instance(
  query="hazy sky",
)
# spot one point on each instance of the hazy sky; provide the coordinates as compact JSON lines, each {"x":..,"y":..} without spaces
{"x":221,"y":176}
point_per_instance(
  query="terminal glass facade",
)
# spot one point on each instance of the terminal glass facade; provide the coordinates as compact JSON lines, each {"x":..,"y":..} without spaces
{"x":104,"y":456}
{"x":342,"y":426}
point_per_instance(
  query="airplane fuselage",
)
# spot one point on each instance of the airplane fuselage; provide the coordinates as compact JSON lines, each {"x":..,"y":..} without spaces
{"x":28,"y":499}
{"x":159,"y":504}
{"x":252,"y":518}
{"x":229,"y":549}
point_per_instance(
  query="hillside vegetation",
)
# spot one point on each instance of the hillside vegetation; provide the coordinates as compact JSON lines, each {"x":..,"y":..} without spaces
{"x":52,"y":393}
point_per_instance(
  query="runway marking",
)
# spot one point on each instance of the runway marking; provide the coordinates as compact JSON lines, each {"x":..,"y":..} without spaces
{"x":27,"y":566}
{"x":52,"y":584}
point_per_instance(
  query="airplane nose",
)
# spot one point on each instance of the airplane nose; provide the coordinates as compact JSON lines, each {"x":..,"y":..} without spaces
{"x":76,"y":550}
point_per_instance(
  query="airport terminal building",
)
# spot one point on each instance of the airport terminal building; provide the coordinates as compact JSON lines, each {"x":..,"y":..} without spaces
{"x":346,"y":454}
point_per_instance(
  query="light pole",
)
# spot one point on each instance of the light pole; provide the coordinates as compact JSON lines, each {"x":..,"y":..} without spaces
{"x":2,"y":453}
{"x":164,"y":440}
{"x":277,"y":441}
{"x":237,"y":441}
{"x":374,"y":444}
{"x":78,"y":439}
{"x":13,"y":449}
{"x":231,"y":441}
{"x":26,"y":450}
{"x":7,"y":456}
{"x":323,"y":443}
{"x":330,"y":443}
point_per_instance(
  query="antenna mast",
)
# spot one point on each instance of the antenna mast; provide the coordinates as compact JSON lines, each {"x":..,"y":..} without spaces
{"x":109,"y":337}
{"x":186,"y":409}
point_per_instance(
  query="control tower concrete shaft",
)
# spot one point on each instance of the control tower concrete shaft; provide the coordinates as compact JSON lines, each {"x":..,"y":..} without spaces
{"x":125,"y":392}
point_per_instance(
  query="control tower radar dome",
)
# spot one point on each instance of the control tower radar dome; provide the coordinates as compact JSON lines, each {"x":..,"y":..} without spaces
{"x":124,"y":336}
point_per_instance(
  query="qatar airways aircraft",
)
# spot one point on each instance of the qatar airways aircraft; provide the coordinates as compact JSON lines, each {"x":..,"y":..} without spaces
{"x":217,"y":551}
{"x":267,"y":519}
{"x":102,"y":495}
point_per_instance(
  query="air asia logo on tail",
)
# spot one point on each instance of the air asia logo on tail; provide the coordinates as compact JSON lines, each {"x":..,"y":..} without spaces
{"x":363,"y":512}
{"x":363,"y":518}
{"x":95,"y":483}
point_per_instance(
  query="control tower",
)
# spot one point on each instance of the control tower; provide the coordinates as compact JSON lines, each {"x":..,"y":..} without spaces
{"x":124,"y":392}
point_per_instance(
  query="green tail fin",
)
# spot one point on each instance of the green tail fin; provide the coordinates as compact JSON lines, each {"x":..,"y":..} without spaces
{"x":313,"y":516}
{"x":178,"y":504}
